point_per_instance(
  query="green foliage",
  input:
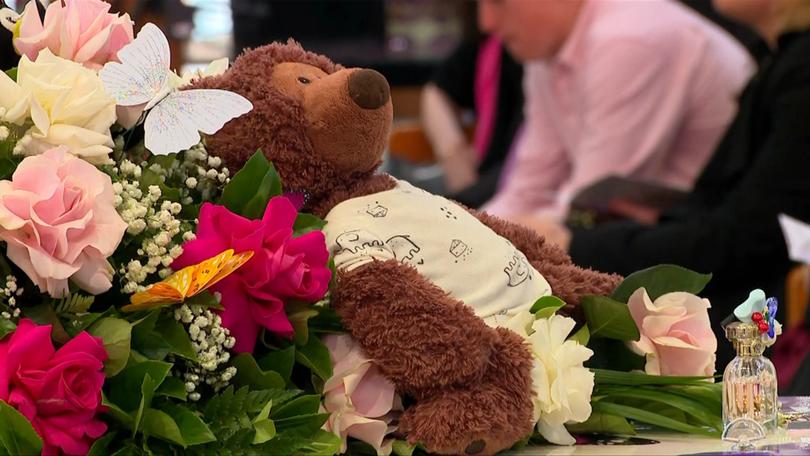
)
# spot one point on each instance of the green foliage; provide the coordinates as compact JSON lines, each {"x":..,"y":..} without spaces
{"x":305,"y":223}
{"x":159,"y":334}
{"x":17,"y":436}
{"x":12,"y":73}
{"x":74,"y":304}
{"x":116,"y":335}
{"x":6,"y":327}
{"x":280,"y":361}
{"x":315,"y":356}
{"x":684,"y":404}
{"x":248,"y":373}
{"x":252,"y":187}
{"x":609,"y":318}
{"x":582,"y":336}
{"x":603,"y":423}
{"x":266,"y":422}
{"x":546,"y":306}
{"x":662,"y":279}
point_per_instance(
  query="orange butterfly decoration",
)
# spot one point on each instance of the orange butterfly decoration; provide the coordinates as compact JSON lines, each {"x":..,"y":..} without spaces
{"x":188,"y":281}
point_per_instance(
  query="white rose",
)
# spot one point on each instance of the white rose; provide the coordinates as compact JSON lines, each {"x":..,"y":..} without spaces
{"x":561,"y":384}
{"x":67,"y":104}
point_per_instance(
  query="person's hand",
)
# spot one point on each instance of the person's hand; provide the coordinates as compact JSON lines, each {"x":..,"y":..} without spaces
{"x":459,"y":168}
{"x":552,"y":230}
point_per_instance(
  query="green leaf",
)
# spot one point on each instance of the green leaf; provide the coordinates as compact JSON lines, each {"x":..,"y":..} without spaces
{"x":149,"y":177}
{"x":603,"y":423}
{"x":304,"y":405}
{"x":12,"y":73}
{"x":323,"y":444}
{"x":192,"y":428}
{"x":305,"y":223}
{"x":100,"y":446}
{"x":648,"y":417}
{"x":17,"y":436}
{"x":280,"y":361}
{"x":6,"y":327}
{"x":301,"y":425}
{"x":74,"y":304}
{"x":582,"y":336}
{"x":159,"y":424}
{"x":44,"y":314}
{"x":264,"y":426}
{"x":172,"y":387}
{"x":403,"y":448}
{"x":269,"y":186}
{"x":660,"y":280}
{"x":546,"y":306}
{"x":248,"y":373}
{"x":653,"y":395}
{"x":147,"y":340}
{"x":176,"y":336}
{"x":115,"y":411}
{"x":299,"y":313}
{"x":125,"y":387}
{"x":327,"y":321}
{"x":315,"y":356}
{"x":117,"y":336}
{"x":609,"y":318}
{"x":252,"y":187}
{"x":610,"y":377}
{"x":148,"y":388}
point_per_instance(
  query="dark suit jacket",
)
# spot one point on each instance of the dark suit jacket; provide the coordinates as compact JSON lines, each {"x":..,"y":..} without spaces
{"x":729,"y":224}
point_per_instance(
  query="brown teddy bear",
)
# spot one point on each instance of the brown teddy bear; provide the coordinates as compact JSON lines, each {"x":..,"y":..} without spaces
{"x":423,"y":283}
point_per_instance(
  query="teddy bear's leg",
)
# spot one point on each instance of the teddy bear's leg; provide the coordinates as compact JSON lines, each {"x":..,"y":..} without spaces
{"x":483,"y":418}
{"x":421,"y":338}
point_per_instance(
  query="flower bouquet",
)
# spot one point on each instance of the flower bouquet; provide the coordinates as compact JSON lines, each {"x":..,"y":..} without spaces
{"x":154,"y":302}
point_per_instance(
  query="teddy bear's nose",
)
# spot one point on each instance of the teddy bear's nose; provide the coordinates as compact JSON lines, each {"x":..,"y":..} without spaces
{"x":368,"y":89}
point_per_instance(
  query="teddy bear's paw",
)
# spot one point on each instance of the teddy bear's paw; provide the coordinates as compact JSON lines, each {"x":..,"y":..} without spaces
{"x":461,"y":422}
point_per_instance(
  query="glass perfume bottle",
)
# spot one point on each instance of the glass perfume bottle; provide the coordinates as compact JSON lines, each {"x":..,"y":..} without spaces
{"x":749,"y":383}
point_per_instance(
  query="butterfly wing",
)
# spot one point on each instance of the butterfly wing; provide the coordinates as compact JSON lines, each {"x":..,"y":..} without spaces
{"x":144,"y":69}
{"x":228,"y":266}
{"x":154,"y":296}
{"x":175,"y":123}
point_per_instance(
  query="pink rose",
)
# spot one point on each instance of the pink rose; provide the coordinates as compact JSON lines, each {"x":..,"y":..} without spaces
{"x":676,"y":334}
{"x":282,"y":267}
{"x":59,"y":220}
{"x":82,"y":30}
{"x":58,"y":391}
{"x":361,"y":401}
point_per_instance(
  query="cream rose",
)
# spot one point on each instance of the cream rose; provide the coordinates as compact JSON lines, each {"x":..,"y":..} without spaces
{"x":67,"y":104}
{"x":676,"y":334}
{"x":562,"y":386}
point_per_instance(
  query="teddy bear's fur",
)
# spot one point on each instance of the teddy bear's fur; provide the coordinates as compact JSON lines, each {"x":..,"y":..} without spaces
{"x":325,"y":128}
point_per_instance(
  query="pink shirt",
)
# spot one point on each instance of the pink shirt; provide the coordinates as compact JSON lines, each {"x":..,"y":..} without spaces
{"x":640,"y":88}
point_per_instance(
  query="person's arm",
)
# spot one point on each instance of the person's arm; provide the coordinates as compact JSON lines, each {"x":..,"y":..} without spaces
{"x":633,"y":102}
{"x":440,"y":121}
{"x":540,"y":162}
{"x":738,"y":238}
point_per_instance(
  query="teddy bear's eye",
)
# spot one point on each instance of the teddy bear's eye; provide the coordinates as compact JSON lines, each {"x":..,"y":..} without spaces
{"x":303,"y":80}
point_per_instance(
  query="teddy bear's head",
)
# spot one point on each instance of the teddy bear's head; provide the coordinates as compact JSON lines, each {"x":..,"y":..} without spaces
{"x":322,"y":125}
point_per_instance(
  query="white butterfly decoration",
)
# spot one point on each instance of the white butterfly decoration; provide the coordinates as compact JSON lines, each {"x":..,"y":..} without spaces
{"x":175,"y":118}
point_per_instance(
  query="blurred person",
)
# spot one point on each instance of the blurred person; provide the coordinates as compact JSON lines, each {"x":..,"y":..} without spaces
{"x":640,"y":89}
{"x":728,"y":226}
{"x":480,"y":76}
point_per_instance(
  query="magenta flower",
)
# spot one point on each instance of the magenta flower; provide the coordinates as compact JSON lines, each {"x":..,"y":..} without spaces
{"x":59,"y":391}
{"x":283,"y":267}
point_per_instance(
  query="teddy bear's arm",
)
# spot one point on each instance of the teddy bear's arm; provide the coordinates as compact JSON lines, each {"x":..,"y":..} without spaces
{"x":420,"y":337}
{"x":568,"y":281}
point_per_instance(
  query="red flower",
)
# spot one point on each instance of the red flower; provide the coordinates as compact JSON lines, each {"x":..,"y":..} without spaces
{"x":59,"y":391}
{"x":282,"y":267}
